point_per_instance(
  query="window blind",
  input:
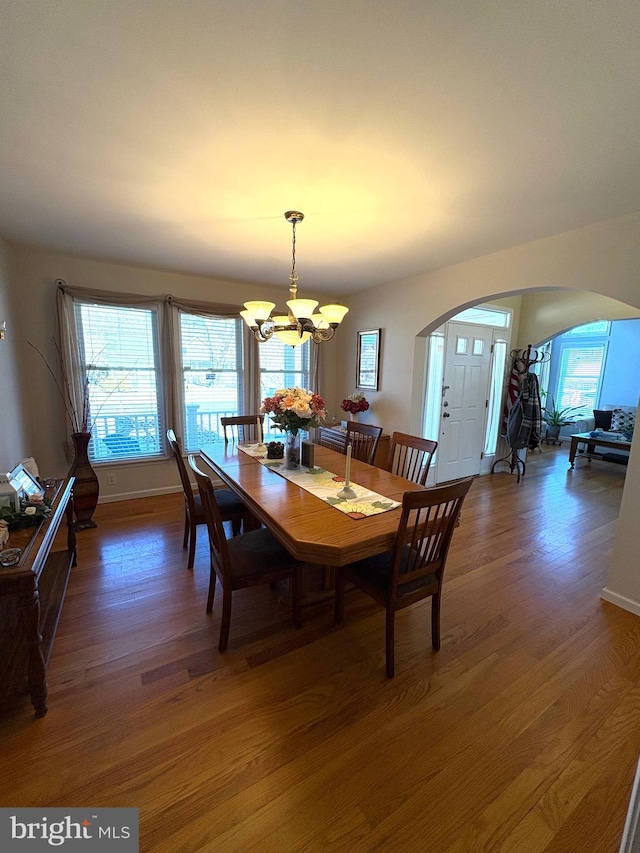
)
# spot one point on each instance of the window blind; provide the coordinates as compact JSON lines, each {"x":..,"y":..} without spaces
{"x":579,"y":376}
{"x":119,"y":358}
{"x":282,"y":366}
{"x":211,"y":359}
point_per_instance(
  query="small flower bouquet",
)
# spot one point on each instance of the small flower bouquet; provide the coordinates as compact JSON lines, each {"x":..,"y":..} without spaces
{"x":354,"y":403}
{"x":30,"y":512}
{"x":293,"y":409}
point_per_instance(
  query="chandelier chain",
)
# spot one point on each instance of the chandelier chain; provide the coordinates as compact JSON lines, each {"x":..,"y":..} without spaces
{"x":292,"y":276}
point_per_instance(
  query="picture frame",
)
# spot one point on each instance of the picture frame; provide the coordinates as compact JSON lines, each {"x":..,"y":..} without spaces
{"x":23,"y":482}
{"x":306,"y":454}
{"x":368,"y":359}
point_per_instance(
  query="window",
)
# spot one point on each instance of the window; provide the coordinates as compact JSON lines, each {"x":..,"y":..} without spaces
{"x":481,"y":315}
{"x":576,"y":368}
{"x":149,"y":363}
{"x":118,"y":349}
{"x":281,"y":366}
{"x":435,"y":374}
{"x":212,"y":375}
{"x":494,"y":414}
{"x":579,"y":376}
{"x":596,"y":329}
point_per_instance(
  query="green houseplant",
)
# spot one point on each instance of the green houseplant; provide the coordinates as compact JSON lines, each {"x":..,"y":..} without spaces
{"x":556,"y":418}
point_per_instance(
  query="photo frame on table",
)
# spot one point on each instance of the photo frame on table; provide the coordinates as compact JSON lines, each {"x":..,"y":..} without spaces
{"x":368,"y":359}
{"x":24,"y":482}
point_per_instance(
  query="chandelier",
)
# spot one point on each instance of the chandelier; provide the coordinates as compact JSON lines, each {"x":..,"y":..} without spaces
{"x":301,"y":322}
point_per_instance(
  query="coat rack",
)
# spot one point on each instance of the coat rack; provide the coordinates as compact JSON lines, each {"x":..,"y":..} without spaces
{"x":523,"y":360}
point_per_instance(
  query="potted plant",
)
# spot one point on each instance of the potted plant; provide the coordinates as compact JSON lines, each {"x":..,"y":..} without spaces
{"x":556,"y":418}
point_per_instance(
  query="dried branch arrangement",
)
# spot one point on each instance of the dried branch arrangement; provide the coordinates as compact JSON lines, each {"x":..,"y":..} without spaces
{"x":79,"y":420}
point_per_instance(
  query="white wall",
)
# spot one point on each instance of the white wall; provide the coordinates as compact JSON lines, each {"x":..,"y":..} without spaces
{"x":15,"y":426}
{"x":547,"y":314}
{"x":621,"y":380}
{"x":623,"y":583}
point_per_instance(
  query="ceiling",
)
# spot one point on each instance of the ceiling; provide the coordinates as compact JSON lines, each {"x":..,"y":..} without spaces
{"x":412,"y":135}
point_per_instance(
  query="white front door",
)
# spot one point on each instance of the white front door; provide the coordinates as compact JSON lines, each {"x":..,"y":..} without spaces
{"x":464,"y":401}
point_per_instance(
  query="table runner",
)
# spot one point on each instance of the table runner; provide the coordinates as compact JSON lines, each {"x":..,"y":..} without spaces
{"x":326,"y":485}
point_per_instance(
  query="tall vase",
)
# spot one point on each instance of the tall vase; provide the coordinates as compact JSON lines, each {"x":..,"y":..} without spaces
{"x":86,"y":487}
{"x":353,"y":416}
{"x":292,"y":450}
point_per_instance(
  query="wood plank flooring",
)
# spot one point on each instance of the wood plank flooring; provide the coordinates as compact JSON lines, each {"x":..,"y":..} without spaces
{"x":520,"y":736}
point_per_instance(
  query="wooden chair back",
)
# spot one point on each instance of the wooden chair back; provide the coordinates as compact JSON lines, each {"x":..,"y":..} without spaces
{"x":241,"y":427}
{"x":414,"y":568}
{"x":410,"y":456}
{"x":253,"y":558}
{"x":182,"y":470}
{"x":422,"y":543}
{"x":215,"y":527}
{"x":363,"y":439}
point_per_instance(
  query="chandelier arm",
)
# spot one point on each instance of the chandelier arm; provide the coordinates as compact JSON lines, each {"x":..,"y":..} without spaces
{"x":318,"y":336}
{"x":263,"y":335}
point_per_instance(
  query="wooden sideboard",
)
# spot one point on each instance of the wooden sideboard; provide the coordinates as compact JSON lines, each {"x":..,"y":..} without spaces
{"x":333,"y":438}
{"x":31,"y":597}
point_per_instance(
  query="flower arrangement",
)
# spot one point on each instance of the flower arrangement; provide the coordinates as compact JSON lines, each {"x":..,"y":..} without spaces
{"x":354,"y":403}
{"x":30,"y":512}
{"x":293,"y":409}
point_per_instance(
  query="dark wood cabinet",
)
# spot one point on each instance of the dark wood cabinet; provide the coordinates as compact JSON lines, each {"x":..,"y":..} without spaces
{"x":31,"y":597}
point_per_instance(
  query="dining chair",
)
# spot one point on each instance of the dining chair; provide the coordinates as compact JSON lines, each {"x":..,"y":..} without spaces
{"x":410,"y":456}
{"x":241,"y":427}
{"x":363,"y":439}
{"x":231,"y":507}
{"x":414,"y":568}
{"x":247,"y":560}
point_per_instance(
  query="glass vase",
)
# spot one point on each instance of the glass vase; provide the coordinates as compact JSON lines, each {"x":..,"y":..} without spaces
{"x":292,"y":450}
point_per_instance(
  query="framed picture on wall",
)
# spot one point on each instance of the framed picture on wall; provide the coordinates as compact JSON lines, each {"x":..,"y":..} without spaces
{"x":368,"y":361}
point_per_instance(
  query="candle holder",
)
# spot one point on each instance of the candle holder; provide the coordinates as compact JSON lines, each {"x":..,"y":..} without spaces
{"x":347,"y":493}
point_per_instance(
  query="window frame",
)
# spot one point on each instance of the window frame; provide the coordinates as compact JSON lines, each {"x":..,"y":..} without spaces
{"x":81,"y":377}
{"x":305,"y":375}
{"x":566,"y":346}
{"x":168,"y":356}
{"x":182,"y":414}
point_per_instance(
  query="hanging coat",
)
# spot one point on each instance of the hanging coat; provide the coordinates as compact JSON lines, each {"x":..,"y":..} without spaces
{"x":513,"y":389}
{"x":524,"y":425}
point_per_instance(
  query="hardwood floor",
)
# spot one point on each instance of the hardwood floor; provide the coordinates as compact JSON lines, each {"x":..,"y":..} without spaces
{"x":522,"y":734}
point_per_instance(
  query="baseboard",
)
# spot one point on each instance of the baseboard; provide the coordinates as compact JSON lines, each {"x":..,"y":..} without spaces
{"x":621,"y":601}
{"x":146,"y":493}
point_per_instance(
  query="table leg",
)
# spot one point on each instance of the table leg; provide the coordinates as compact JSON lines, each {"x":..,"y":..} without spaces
{"x":572,"y":451}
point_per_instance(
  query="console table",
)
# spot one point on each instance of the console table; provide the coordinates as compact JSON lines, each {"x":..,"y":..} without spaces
{"x":334,"y":438}
{"x":31,"y":596}
{"x":592,"y":442}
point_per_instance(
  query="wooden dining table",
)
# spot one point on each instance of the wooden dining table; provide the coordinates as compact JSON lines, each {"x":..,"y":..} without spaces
{"x":309,"y":527}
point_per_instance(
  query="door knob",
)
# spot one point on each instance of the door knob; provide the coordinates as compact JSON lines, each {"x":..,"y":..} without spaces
{"x":446,"y":415}
{"x":445,"y":404}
